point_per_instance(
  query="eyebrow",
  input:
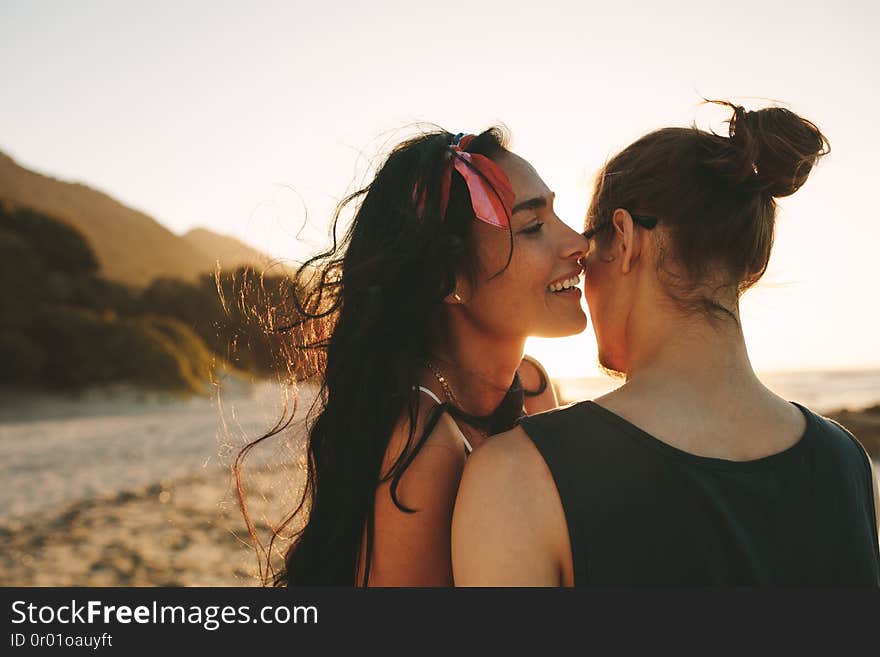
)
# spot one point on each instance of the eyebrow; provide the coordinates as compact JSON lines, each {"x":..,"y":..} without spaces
{"x":530,"y":204}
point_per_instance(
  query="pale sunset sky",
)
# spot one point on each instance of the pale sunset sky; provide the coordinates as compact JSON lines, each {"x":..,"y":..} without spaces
{"x":243,"y":117}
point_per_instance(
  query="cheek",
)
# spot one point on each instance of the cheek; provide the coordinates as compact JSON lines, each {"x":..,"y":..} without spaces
{"x":592,"y":282}
{"x":598,"y":295}
{"x":492,"y":247}
{"x":530,"y":265}
{"x":515,"y":287}
{"x":515,"y":297}
{"x":608,"y":313}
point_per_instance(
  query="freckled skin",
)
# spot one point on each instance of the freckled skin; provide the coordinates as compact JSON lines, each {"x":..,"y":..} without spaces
{"x":518,"y":302}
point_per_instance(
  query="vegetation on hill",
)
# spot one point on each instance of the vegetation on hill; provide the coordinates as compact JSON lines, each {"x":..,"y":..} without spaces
{"x":63,"y":325}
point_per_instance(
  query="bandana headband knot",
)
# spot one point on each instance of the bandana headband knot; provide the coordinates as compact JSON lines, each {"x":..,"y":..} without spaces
{"x":489,"y":188}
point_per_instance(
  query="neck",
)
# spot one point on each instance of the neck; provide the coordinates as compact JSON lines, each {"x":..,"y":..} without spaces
{"x":479,"y":367}
{"x":687,"y":354}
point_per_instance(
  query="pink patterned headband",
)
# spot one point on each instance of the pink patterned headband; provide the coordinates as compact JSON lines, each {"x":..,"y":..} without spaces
{"x":491,"y":194}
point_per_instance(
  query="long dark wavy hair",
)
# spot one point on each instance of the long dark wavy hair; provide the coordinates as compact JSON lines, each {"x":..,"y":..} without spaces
{"x":360,"y":321}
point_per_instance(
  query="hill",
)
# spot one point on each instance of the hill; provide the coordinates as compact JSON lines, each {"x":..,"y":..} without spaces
{"x":130,"y":246}
{"x":229,"y":251}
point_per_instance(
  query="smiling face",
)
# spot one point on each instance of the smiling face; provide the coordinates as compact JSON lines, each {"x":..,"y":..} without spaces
{"x":539,"y":291}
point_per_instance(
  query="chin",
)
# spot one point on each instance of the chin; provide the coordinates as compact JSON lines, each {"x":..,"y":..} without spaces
{"x":560,"y":329}
{"x":614,"y":367}
{"x":581,"y":325}
{"x":612,"y":373}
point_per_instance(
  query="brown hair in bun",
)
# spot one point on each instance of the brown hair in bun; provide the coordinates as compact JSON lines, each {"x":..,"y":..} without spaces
{"x":713,"y":195}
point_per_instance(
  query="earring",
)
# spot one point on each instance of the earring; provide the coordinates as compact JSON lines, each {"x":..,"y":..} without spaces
{"x":456,"y":297}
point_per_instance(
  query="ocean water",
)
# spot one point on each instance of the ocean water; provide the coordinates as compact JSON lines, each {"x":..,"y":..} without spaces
{"x":823,"y":391}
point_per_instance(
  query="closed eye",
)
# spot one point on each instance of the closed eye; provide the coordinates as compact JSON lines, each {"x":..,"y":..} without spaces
{"x":534,"y":228}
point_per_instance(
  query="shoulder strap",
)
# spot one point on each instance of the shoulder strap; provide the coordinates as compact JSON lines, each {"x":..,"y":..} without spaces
{"x":541,"y":375}
{"x":430,"y":394}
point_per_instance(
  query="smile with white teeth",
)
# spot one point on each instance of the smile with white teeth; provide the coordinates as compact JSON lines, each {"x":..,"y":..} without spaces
{"x":564,"y":285}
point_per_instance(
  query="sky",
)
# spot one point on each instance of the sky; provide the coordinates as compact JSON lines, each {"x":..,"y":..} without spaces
{"x":254,"y":119}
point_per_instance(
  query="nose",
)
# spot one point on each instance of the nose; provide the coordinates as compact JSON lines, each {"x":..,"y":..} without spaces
{"x":575,"y":244}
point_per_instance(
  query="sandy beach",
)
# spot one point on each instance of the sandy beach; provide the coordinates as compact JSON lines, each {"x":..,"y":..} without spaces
{"x":119,"y":489}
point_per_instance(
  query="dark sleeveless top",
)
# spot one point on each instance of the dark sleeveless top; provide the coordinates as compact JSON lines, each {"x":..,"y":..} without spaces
{"x":641,"y":512}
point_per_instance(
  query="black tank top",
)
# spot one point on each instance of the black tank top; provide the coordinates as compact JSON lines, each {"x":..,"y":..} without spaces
{"x":641,"y":512}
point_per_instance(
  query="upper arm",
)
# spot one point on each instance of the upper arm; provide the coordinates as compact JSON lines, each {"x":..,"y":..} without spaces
{"x":413,"y":549}
{"x":531,"y":374}
{"x":507,"y":525}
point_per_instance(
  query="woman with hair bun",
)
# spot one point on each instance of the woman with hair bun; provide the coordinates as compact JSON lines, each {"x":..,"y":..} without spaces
{"x":417,"y":321}
{"x":692,"y":473}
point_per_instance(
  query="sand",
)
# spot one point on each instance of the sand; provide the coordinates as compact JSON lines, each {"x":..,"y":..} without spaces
{"x":113,"y":488}
{"x":120,"y":490}
{"x":187,"y":532}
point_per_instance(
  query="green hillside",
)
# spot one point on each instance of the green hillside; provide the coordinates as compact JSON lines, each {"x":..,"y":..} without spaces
{"x":64,"y":326}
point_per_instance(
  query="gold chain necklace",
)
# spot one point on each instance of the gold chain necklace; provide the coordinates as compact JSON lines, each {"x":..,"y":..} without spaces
{"x":447,"y":390}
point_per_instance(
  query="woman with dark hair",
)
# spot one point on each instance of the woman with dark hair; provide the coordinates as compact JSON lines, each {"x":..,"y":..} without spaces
{"x":693,"y":472}
{"x":417,"y":322}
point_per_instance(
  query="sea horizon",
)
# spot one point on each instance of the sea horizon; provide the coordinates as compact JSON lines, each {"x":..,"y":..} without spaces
{"x":823,"y":390}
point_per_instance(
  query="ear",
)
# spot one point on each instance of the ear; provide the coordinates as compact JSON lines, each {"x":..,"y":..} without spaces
{"x":461,"y":294}
{"x":627,"y":239}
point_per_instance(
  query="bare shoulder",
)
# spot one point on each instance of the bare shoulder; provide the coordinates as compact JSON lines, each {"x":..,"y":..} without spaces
{"x":433,"y":462}
{"x":421,"y":471}
{"x":509,"y":526}
{"x":510,"y":465}
{"x":444,"y":440}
